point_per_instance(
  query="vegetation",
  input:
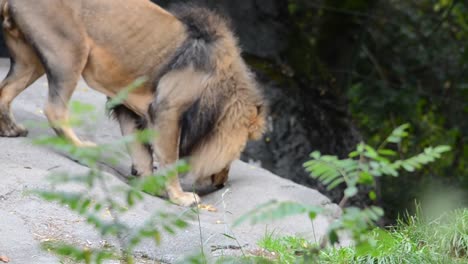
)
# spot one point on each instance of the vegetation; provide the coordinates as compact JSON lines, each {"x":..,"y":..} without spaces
{"x":393,"y":62}
{"x":363,"y":167}
{"x":437,"y":241}
{"x":412,"y":240}
{"x":443,"y":240}
{"x":287,"y":249}
{"x":387,"y":62}
{"x":106,"y":214}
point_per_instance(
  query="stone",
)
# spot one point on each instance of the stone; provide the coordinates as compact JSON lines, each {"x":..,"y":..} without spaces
{"x":26,"y":220}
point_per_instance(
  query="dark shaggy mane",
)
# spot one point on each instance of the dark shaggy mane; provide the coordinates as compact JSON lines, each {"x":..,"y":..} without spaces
{"x":204,"y":29}
{"x":196,"y":124}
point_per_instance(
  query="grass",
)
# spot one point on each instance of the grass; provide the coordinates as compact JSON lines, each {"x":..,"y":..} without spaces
{"x":390,"y":247}
{"x":413,"y":240}
{"x":453,"y":237}
{"x":285,"y":249}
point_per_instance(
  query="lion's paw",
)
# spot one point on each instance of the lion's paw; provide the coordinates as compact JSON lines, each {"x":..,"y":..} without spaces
{"x":86,"y":144}
{"x":186,"y":199}
{"x":11,"y":129}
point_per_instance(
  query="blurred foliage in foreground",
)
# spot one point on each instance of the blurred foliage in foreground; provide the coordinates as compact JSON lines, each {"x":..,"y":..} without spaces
{"x":105,"y":205}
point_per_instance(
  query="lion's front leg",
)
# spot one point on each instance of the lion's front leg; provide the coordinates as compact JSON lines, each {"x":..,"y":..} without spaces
{"x":166,"y":151}
{"x":141,"y":155}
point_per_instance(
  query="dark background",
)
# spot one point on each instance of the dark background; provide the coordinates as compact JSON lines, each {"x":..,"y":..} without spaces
{"x":340,"y":71}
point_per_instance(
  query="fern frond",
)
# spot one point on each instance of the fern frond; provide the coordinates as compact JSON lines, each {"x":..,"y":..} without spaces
{"x":275,"y":210}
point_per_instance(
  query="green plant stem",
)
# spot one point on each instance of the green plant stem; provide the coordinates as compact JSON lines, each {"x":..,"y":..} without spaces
{"x":115,"y":218}
{"x":197,"y":210}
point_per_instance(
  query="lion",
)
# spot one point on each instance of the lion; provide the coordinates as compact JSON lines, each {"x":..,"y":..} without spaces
{"x":198,"y":94}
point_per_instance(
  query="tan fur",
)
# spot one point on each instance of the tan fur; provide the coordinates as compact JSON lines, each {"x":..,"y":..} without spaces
{"x":111,"y":43}
{"x":219,"y":179}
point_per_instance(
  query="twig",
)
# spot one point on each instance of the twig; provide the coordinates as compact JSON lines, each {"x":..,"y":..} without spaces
{"x":115,"y":217}
{"x":313,"y":231}
{"x":376,"y":64}
{"x":343,"y":202}
{"x":199,"y":225}
{"x":362,"y":36}
{"x":226,"y":228}
{"x":444,"y":18}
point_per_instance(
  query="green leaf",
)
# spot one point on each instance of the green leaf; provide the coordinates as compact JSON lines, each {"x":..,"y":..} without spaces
{"x":365,"y":178}
{"x":335,"y":183}
{"x":169,"y":229}
{"x":146,"y":136}
{"x":229,"y":236}
{"x":75,"y":201}
{"x":360,"y":147}
{"x":407,"y":167}
{"x":363,"y":248}
{"x":312,"y":215}
{"x":97,"y":207}
{"x":370,"y":152}
{"x":387,"y":152}
{"x":153,"y":184}
{"x":398,"y":134}
{"x":123,"y":94}
{"x":333,"y":237}
{"x":274,"y":210}
{"x":351,"y":191}
{"x":442,"y":149}
{"x":377,"y":210}
{"x":133,"y":196}
{"x":315,"y":155}
{"x":79,"y":108}
{"x":77,"y":254}
{"x":180,"y":223}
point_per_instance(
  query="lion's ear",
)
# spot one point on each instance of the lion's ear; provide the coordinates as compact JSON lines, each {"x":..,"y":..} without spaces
{"x":257,"y":124}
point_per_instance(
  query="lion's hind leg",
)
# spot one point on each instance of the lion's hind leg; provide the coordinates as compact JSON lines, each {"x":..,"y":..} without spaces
{"x":25,"y":68}
{"x":18,"y":78}
{"x":61,"y":44}
{"x":63,"y":77}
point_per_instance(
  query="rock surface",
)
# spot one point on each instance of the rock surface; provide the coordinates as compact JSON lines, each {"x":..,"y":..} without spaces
{"x":26,"y":220}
